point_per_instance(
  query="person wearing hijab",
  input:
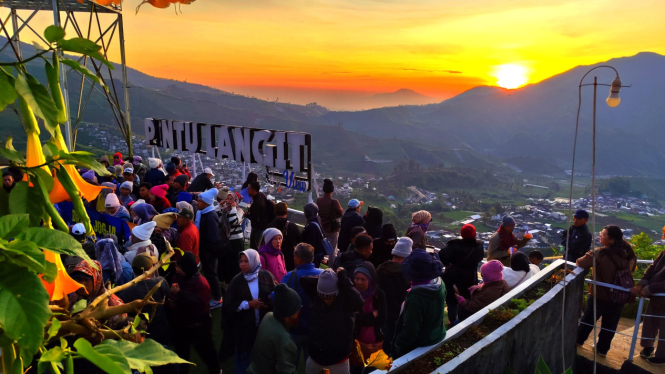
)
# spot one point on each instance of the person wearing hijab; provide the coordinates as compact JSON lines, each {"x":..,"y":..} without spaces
{"x":188,"y":314}
{"x":313,"y":232}
{"x":373,"y":221}
{"x":367,"y":329}
{"x":247,"y":302}
{"x":382,"y":247}
{"x":93,"y":286}
{"x":115,"y":267}
{"x":290,"y":233}
{"x":272,"y":258}
{"x":143,"y":212}
{"x":420,"y":222}
{"x":180,"y":205}
{"x":492,"y":289}
{"x":114,"y":209}
{"x":140,"y":242}
{"x":251,"y":177}
{"x":519,"y":271}
{"x":502,"y":240}
{"x":117,"y":159}
{"x":154,"y":176}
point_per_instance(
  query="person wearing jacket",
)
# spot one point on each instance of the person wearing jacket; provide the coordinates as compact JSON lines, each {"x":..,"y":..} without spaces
{"x":207,"y":222}
{"x":349,"y":260}
{"x":367,"y":330}
{"x":236,"y":244}
{"x":421,"y":321}
{"x":125,"y":193}
{"x":290,"y":233}
{"x":615,"y":255}
{"x":350,"y":219}
{"x":312,"y":234}
{"x":257,"y":213}
{"x":178,"y":187}
{"x":330,"y":210}
{"x":188,"y":240}
{"x":154,"y":176}
{"x":115,"y":209}
{"x":419,"y":225}
{"x":502,"y":240}
{"x":492,"y":289}
{"x":373,"y":222}
{"x":140,"y":242}
{"x":274,"y":350}
{"x":202,"y":182}
{"x":580,"y":237}
{"x":333,"y":307}
{"x":272,"y":258}
{"x":382,"y":247}
{"x":461,"y":258}
{"x":519,"y":271}
{"x":394,"y":284}
{"x":246,"y":304}
{"x":303,"y":255}
{"x":653,"y":282}
{"x":189,"y":314}
{"x":158,"y":198}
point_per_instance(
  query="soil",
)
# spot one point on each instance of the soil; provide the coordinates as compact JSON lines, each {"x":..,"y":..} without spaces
{"x":474,"y":334}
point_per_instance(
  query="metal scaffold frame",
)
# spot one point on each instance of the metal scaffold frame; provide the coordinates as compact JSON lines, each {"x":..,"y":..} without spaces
{"x":104,"y":31}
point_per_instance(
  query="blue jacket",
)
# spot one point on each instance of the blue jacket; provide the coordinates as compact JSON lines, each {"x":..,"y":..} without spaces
{"x":292,"y":279}
{"x":155,"y":177}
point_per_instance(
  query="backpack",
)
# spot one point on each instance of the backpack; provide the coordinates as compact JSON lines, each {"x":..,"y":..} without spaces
{"x":270,"y":211}
{"x":223,"y":226}
{"x":623,"y":278}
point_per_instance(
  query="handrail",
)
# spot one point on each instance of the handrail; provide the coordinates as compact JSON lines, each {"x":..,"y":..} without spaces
{"x":614,"y":286}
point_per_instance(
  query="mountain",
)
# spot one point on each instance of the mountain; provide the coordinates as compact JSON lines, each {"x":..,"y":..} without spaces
{"x":402,"y":96}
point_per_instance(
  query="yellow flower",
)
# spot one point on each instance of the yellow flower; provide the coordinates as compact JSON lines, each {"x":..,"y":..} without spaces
{"x":63,"y":284}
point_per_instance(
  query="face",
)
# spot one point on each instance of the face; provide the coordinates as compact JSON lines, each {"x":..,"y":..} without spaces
{"x":7,"y":180}
{"x":144,"y":192}
{"x":116,"y":158}
{"x":294,"y":320}
{"x":277,"y":242}
{"x":105,"y":163}
{"x":244,"y":264}
{"x":361,"y":282}
{"x":251,"y":191}
{"x":182,"y":221}
{"x":201,"y":204}
{"x":230,"y":200}
{"x":128,"y":177}
{"x":509,"y":229}
{"x":125,"y":191}
{"x":112,"y":209}
{"x":605,"y":239}
{"x":178,"y":270}
{"x":169,"y":181}
{"x":535,"y":261}
{"x":329,"y":301}
{"x":151,"y":196}
{"x":367,"y":251}
{"x":178,"y":186}
{"x":579,"y":221}
{"x":87,"y":285}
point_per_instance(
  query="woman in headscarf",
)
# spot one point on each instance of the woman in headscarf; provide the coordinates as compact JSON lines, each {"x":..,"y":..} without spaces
{"x":272,"y":258}
{"x":519,"y":271}
{"x":313,"y":232}
{"x":373,"y":222}
{"x":180,"y":205}
{"x":143,"y":212}
{"x":247,"y":302}
{"x":117,"y":159}
{"x":382,"y":247}
{"x":114,"y":266}
{"x":419,"y":225}
{"x":367,"y":330}
{"x":93,"y":286}
{"x":501,"y":242}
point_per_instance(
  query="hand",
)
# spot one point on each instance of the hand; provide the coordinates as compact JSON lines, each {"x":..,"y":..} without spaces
{"x":256,"y":304}
{"x":175,"y":288}
{"x":636,"y":290}
{"x":233,"y":204}
{"x":376,"y":313}
{"x":339,"y":269}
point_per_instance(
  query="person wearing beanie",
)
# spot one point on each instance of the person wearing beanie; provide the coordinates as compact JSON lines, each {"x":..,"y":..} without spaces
{"x":350,"y":219}
{"x":579,"y":240}
{"x":290,"y":234}
{"x":222,"y":194}
{"x":158,"y":328}
{"x":501,"y":242}
{"x":117,"y":170}
{"x":89,"y":176}
{"x":158,"y":198}
{"x":492,"y":289}
{"x":246,"y":304}
{"x":420,"y":222}
{"x":139,"y":242}
{"x":177,"y":187}
{"x":304,"y":256}
{"x":392,"y":282}
{"x":367,"y":329}
{"x":207,"y":221}
{"x":172,"y":170}
{"x":382,"y":246}
{"x":349,"y":260}
{"x":189,"y":320}
{"x":115,"y":209}
{"x":104,"y":160}
{"x":181,"y":167}
{"x":519,"y":271}
{"x":272,"y":257}
{"x":117,"y":159}
{"x":125,"y":193}
{"x":313,"y":235}
{"x":274,"y":350}
{"x":260,"y":213}
{"x":373,"y":222}
{"x":330,"y":213}
{"x":334,"y":305}
{"x":461,"y":258}
{"x":154,"y":176}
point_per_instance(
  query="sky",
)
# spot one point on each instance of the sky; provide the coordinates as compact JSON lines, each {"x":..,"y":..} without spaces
{"x":308,"y":50}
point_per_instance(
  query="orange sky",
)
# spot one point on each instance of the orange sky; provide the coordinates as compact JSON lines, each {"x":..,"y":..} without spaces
{"x":438,"y":48}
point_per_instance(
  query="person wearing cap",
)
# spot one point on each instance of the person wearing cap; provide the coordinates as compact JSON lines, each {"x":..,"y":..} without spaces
{"x":158,"y":328}
{"x":334,"y":305}
{"x":188,"y":314}
{"x":178,"y":187}
{"x":202,"y":182}
{"x":258,"y":213}
{"x":77,"y":231}
{"x":303,"y":256}
{"x":272,"y":257}
{"x":274,"y":350}
{"x":461,"y":258}
{"x":139,"y":242}
{"x":350,"y":219}
{"x":246,"y":304}
{"x":349,"y":260}
{"x":580,"y":238}
{"x":382,"y":246}
{"x":228,"y":204}
{"x":207,"y":221}
{"x":420,"y":222}
{"x":503,"y":240}
{"x":129,"y":176}
{"x":115,"y":209}
{"x":492,"y":289}
{"x":290,"y":233}
{"x":421,"y":321}
{"x":125,"y":193}
{"x":158,"y":198}
{"x":392,"y":282}
{"x":330,"y":212}
{"x":188,"y":241}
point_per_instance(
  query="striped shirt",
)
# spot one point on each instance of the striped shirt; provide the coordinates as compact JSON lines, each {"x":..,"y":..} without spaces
{"x":235,"y":223}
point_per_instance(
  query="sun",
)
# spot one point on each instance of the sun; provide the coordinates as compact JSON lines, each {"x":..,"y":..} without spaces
{"x":511,"y":75}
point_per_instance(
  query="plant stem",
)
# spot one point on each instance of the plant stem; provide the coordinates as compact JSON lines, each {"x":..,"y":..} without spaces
{"x":19,"y":63}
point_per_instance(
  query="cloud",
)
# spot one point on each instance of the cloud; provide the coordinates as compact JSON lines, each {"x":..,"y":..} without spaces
{"x":433,"y":71}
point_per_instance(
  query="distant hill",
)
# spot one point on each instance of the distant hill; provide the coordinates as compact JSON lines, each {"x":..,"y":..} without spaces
{"x":402,"y":96}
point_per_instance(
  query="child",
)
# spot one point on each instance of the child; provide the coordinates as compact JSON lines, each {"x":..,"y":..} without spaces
{"x":493,"y":288}
{"x":125,"y":193}
{"x":536,"y":257}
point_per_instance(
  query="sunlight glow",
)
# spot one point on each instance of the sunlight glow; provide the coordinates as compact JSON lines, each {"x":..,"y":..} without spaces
{"x":511,"y":76}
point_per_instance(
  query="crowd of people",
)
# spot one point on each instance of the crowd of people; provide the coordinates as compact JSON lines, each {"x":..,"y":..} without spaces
{"x":289,"y":294}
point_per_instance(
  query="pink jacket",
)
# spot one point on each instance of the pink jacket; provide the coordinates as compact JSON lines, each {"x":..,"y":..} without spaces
{"x":274,"y":264}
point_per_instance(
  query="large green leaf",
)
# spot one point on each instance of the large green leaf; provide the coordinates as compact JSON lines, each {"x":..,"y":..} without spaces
{"x":38,"y":98}
{"x":8,"y":93}
{"x":85,"y":47}
{"x":85,"y":160}
{"x":54,"y":33}
{"x":25,"y":254}
{"x":55,"y":241}
{"x":12,"y":225}
{"x":83,"y":70}
{"x":12,"y":155}
{"x":45,"y":178}
{"x":79,"y":306}
{"x":55,"y":354}
{"x":18,"y":198}
{"x":105,"y":356}
{"x":23,"y":306}
{"x":143,"y":356}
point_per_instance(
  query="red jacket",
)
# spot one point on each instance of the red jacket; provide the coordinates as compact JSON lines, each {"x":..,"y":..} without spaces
{"x":188,"y":241}
{"x":186,"y":172}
